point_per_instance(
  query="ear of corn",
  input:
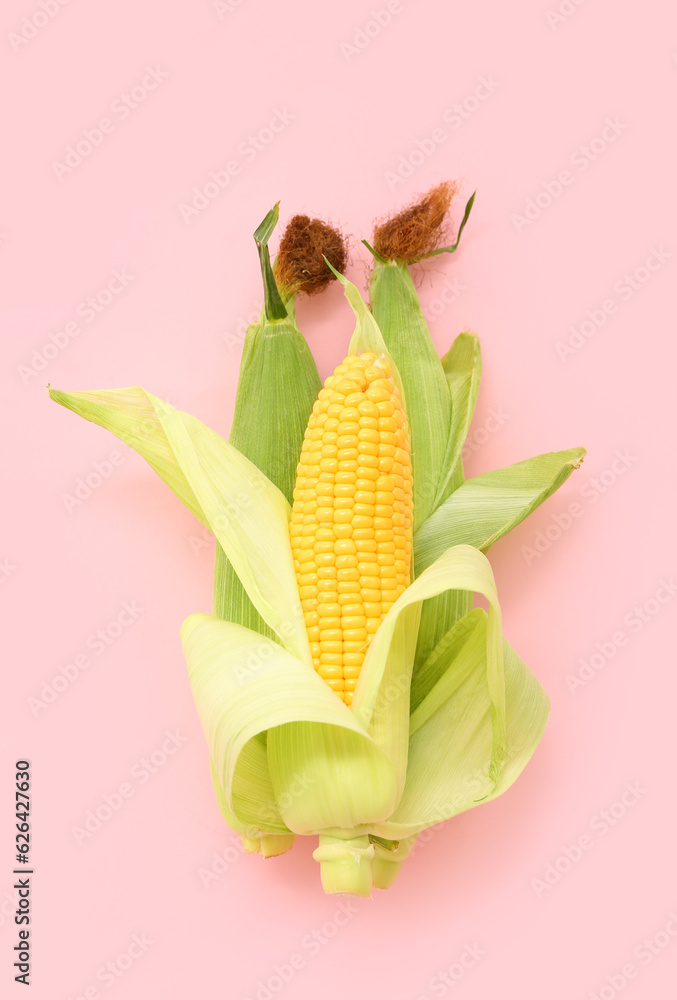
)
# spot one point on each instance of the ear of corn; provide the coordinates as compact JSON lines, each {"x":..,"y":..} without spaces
{"x":371,"y":763}
{"x":351,"y":520}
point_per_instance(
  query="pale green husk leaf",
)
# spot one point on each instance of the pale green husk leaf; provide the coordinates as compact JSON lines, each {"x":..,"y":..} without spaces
{"x":229,"y":495}
{"x":397,"y":310}
{"x":382,"y":695}
{"x":462,"y":366}
{"x":486,"y":507}
{"x":451,"y":739}
{"x":289,"y":755}
{"x":276,"y":390}
{"x":449,"y":646}
{"x":277,"y":386}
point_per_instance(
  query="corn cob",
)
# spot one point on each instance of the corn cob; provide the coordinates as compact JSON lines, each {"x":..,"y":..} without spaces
{"x":351,"y":520}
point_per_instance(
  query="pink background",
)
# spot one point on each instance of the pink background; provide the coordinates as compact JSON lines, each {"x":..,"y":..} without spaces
{"x":550,"y":87}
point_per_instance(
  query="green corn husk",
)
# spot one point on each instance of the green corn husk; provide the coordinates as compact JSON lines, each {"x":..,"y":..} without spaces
{"x":437,"y":433}
{"x":288,"y":757}
{"x":278,"y":385}
{"x":396,"y":309}
{"x":441,"y":396}
{"x":277,"y":388}
{"x":417,"y":745}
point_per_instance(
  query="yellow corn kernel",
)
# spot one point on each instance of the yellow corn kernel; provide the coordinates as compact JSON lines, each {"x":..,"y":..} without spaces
{"x":350,"y":527}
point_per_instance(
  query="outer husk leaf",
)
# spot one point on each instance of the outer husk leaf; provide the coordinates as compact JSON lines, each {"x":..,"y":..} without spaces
{"x":255,"y":839}
{"x":449,"y":647}
{"x":278,"y":385}
{"x":462,"y":366}
{"x":397,"y":310}
{"x":447,"y":776}
{"x":246,"y":512}
{"x":382,"y":695}
{"x":479,"y":512}
{"x":288,"y":753}
{"x":487,"y":507}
